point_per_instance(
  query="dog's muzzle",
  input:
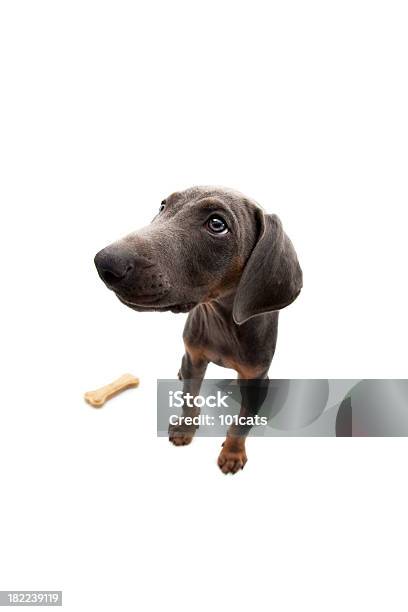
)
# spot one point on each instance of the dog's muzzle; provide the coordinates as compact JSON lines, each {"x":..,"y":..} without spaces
{"x":134,"y":278}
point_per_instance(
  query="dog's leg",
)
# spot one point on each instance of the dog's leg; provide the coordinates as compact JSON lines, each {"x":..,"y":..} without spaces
{"x":253,"y":392}
{"x":192,"y":372}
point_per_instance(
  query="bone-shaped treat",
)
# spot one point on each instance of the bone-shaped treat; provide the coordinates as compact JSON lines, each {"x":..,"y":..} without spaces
{"x":98,"y":397}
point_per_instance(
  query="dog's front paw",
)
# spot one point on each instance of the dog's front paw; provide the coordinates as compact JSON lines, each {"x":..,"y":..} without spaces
{"x":180,"y":435}
{"x":232,"y":457}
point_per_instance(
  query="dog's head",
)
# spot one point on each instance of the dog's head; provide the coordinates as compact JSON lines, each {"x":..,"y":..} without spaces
{"x":204,"y":243}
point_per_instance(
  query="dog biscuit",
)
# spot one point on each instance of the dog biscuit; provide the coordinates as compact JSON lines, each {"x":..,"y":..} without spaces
{"x":98,"y":397}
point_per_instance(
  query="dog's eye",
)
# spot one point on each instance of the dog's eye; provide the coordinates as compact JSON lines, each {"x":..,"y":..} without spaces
{"x":162,"y":206}
{"x":217,"y":225}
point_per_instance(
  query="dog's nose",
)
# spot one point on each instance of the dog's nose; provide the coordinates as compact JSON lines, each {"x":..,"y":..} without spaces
{"x":113,"y":266}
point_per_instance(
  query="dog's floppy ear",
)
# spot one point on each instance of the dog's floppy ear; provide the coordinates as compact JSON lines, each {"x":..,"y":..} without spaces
{"x":272,"y":277}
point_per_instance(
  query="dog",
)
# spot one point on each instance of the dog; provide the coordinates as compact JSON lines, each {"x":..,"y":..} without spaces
{"x":214,"y":253}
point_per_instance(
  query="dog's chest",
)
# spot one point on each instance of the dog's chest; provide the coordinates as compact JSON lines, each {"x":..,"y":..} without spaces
{"x":216,"y":339}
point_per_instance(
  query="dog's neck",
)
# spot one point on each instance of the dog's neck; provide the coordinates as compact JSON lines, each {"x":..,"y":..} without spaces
{"x":221,"y":307}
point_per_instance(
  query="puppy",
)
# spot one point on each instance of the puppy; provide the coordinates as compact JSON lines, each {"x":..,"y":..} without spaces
{"x":215,"y":254}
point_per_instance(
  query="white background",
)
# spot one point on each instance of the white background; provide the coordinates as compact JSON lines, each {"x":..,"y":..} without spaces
{"x":106,"y":108}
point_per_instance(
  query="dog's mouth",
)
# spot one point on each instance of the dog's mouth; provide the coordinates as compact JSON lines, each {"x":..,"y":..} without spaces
{"x":143,"y":305}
